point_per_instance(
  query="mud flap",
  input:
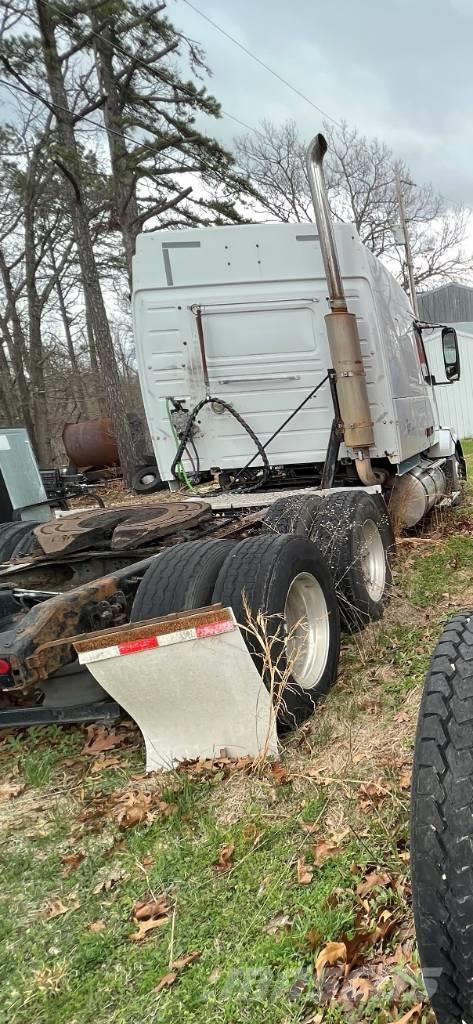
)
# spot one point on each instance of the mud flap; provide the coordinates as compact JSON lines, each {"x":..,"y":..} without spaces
{"x":190,"y":685}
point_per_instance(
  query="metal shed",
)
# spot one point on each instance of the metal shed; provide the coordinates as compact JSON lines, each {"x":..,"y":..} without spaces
{"x":449,"y":304}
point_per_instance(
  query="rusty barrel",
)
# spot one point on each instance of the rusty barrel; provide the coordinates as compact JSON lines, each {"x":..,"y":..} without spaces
{"x":91,"y":443}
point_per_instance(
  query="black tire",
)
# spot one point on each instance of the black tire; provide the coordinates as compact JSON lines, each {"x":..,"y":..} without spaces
{"x":181,"y":578}
{"x":338,"y":532}
{"x":147,"y":480}
{"x":262,"y":569}
{"x":10,"y":536}
{"x":442,"y":825}
{"x":293,"y":515}
{"x":27,"y":543}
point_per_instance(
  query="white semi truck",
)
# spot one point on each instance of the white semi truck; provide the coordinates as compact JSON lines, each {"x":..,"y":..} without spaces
{"x":244,"y":324}
{"x":287,"y":357}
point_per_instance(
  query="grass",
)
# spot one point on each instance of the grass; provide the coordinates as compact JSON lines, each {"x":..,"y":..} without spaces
{"x":251,"y":968}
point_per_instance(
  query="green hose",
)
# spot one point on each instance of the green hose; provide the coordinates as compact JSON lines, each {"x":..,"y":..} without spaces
{"x":180,"y":469}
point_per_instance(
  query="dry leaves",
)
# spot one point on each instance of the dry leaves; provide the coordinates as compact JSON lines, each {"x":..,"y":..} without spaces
{"x":370,"y":794}
{"x":127,"y":807}
{"x":278,"y":772}
{"x":149,"y":914}
{"x":9,"y":790}
{"x":166,"y":981}
{"x":176,"y":967}
{"x":133,"y":809}
{"x":97,"y":926}
{"x":323,"y":851}
{"x":99,"y":738}
{"x":56,"y":908}
{"x":332,"y":953}
{"x":405,"y":778}
{"x":71,"y":861}
{"x":223,"y":863}
{"x":109,"y":882}
{"x":147,"y":926}
{"x":221,"y":767}
{"x":105,"y":762}
{"x":278,"y":925}
{"x":304,"y":872}
{"x":415,"y":1011}
{"x":371,"y":881}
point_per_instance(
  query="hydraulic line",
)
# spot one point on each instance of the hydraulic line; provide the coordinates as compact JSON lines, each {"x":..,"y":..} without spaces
{"x":225,"y":405}
{"x":261,"y":448}
{"x":180,"y":475}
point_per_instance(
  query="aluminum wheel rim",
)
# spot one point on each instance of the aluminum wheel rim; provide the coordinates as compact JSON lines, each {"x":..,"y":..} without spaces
{"x":148,"y":478}
{"x":373,"y":560}
{"x":307,"y":630}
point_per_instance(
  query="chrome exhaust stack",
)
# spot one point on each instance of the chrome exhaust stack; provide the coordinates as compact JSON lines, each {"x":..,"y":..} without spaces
{"x":342,"y":329}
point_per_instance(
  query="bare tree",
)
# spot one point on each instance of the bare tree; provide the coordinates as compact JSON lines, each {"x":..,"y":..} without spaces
{"x":44,"y":78}
{"x":360,"y":176}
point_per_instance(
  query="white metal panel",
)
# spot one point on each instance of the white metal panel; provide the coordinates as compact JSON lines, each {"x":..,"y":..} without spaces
{"x":454,"y":401}
{"x":263,"y":296}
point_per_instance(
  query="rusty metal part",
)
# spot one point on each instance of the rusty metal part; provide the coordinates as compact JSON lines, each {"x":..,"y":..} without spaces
{"x":79,"y":531}
{"x":91,"y":443}
{"x":158,"y":521}
{"x":197,"y":311}
{"x":61,"y":574}
{"x":124,"y":527}
{"x":31,"y":646}
{"x":240,"y":525}
{"x":40,"y":642}
{"x":143,"y":628}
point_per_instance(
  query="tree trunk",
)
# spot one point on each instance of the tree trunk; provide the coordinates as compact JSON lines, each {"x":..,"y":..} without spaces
{"x":16,"y":345}
{"x":80,"y":222}
{"x":36,"y":354}
{"x":8,"y":408}
{"x":77,"y":382}
{"x":94,"y":366}
{"x":124,"y":186}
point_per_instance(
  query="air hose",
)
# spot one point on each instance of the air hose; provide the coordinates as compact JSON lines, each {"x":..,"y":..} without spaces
{"x":180,"y":475}
{"x":175,"y":468}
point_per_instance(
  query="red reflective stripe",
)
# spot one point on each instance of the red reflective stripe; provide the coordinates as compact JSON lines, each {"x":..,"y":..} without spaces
{"x":130,"y":646}
{"x":213,"y":628}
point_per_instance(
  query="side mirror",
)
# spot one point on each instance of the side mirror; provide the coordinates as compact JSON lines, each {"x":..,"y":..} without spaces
{"x":451,"y":355}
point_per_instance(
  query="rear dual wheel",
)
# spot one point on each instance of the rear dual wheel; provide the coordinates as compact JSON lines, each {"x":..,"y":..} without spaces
{"x":278,"y":584}
{"x":354,"y":533}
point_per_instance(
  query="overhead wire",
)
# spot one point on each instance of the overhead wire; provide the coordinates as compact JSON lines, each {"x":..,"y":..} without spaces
{"x":259,"y":61}
{"x":168,"y":81}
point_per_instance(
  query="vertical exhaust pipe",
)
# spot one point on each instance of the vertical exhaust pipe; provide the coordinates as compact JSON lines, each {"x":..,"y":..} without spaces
{"x":342,"y":328}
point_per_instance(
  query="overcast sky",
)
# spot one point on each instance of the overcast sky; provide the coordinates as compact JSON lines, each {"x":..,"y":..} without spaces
{"x":398,"y":69}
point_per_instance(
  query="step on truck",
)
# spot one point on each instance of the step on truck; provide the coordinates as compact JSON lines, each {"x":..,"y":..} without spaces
{"x":285,"y":362}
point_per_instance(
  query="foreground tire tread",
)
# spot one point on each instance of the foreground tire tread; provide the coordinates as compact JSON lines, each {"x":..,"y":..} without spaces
{"x":442,"y":825}
{"x":181,"y":578}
